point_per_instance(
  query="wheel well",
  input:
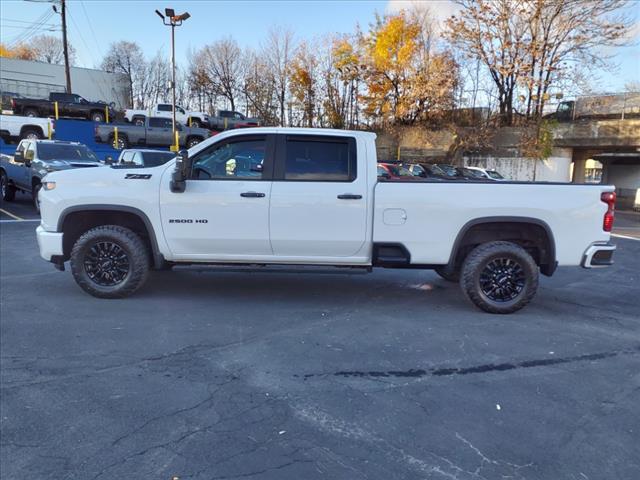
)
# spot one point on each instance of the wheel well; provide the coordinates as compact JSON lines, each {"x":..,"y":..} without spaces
{"x":535,"y":238}
{"x":35,"y":128}
{"x":35,"y":181}
{"x":77,"y":223}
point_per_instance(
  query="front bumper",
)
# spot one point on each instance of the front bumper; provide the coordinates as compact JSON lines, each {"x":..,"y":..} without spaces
{"x":598,"y":255}
{"x":49,"y":243}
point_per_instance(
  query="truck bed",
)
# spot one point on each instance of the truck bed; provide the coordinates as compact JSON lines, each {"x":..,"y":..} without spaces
{"x":429,"y":216}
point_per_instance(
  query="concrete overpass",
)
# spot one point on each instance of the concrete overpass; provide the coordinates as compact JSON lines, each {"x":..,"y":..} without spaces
{"x":613,"y":143}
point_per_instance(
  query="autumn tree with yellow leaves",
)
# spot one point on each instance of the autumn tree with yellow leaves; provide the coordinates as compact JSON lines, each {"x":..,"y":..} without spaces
{"x":406,"y":81}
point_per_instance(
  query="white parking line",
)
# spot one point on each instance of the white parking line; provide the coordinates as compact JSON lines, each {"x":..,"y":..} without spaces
{"x":21,"y":220}
{"x":625,"y":236}
{"x":10,"y":214}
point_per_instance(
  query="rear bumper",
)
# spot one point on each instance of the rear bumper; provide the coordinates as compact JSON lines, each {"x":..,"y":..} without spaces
{"x":598,"y":255}
{"x":49,"y":243}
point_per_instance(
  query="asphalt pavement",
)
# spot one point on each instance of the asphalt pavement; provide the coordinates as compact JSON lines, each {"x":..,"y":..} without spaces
{"x":276,"y":374}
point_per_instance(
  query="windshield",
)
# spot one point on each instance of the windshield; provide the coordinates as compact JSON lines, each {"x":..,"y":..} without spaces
{"x":60,"y":151}
{"x":495,"y":175}
{"x":153,"y":159}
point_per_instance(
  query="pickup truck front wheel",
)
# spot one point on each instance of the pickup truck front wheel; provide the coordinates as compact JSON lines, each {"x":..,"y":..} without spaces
{"x":8,"y":191}
{"x":499,"y":277}
{"x":110,"y":262}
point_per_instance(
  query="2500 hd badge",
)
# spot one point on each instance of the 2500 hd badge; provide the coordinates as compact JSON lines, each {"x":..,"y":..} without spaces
{"x":188,"y":220}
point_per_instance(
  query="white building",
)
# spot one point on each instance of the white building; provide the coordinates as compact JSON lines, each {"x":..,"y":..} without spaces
{"x":38,"y":79}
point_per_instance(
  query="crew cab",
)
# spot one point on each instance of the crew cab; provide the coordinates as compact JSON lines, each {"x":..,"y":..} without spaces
{"x":34,"y":159}
{"x":228,"y":119}
{"x":312,"y":197}
{"x":16,"y":127}
{"x":69,"y":105}
{"x":184,"y":116}
{"x":154,"y":132}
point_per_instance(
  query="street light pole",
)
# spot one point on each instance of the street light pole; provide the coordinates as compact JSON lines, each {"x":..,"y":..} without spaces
{"x":173,"y":78}
{"x":171,"y":19}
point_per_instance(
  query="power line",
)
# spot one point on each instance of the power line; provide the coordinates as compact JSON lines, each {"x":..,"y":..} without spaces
{"x":93,"y":33}
{"x":30,"y":32}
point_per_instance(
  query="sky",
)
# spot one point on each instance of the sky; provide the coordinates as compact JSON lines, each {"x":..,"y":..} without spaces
{"x":93,"y":24}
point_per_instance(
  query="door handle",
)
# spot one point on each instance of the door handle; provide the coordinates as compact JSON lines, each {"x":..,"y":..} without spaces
{"x":349,"y":196}
{"x":252,"y":194}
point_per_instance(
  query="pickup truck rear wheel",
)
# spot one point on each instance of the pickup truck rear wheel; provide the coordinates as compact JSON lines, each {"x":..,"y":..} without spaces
{"x":195,"y":123}
{"x":499,"y":277}
{"x":110,"y":261}
{"x":30,"y":112}
{"x":97,"y":117}
{"x":8,"y":191}
{"x":31,"y":134}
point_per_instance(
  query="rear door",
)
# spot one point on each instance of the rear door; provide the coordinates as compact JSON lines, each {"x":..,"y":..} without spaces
{"x":318,"y":199}
{"x":224,"y":211}
{"x":159,"y":131}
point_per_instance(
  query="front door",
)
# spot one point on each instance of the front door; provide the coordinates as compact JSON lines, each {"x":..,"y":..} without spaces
{"x":223,"y":214}
{"x":318,"y":198}
{"x":159,"y":131}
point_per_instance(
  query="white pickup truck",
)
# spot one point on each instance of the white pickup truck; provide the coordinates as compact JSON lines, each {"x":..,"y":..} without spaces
{"x":15,"y":127}
{"x":186,"y":117}
{"x":312,"y":197}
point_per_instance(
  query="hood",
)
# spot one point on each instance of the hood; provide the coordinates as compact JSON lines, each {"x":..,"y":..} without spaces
{"x":67,"y":164}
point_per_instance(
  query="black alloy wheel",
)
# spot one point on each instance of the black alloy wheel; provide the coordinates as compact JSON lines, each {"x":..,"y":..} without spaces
{"x":502,"y":279}
{"x":106,"y":263}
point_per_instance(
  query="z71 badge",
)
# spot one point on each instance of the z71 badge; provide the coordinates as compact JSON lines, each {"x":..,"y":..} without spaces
{"x":137,"y":176}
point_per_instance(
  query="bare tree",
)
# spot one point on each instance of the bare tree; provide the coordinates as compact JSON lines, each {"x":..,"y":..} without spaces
{"x":259,"y":89}
{"x":127,"y":58}
{"x":49,"y":49}
{"x":220,"y":66}
{"x":278,"y":51}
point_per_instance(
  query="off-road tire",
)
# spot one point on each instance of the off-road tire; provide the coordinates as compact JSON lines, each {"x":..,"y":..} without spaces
{"x":480,"y":258}
{"x":133,"y":246}
{"x":7,"y":190}
{"x":448,"y":274}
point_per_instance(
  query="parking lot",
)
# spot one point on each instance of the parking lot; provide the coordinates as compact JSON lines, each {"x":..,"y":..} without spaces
{"x":214,"y":373}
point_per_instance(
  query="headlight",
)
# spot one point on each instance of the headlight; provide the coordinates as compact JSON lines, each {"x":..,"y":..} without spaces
{"x":49,"y":185}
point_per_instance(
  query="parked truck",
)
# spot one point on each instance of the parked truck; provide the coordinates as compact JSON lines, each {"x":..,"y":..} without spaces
{"x":621,"y":106}
{"x":34,"y":159}
{"x":228,"y":119}
{"x":69,"y":105}
{"x":184,"y":116}
{"x":154,"y":132}
{"x":312,"y":197}
{"x":15,"y":127}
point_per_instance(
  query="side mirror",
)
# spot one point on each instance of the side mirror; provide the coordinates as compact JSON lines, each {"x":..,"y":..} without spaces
{"x":181,"y":172}
{"x":18,"y":157}
{"x":28,"y":157}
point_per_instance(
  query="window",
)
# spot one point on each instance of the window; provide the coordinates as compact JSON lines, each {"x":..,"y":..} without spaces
{"x":320,"y":159}
{"x":30,"y":151}
{"x":158,"y":122}
{"x":127,"y":157}
{"x":153,"y":159}
{"x":181,"y":110}
{"x":240,"y":159}
{"x":65,"y":151}
{"x":163,"y":107}
{"x":238,"y":116}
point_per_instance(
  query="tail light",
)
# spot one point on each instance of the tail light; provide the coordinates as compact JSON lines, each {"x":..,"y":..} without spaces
{"x":13,"y":104}
{"x":610,"y":199}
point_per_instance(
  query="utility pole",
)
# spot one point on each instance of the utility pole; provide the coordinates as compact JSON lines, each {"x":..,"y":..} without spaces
{"x":65,"y":46}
